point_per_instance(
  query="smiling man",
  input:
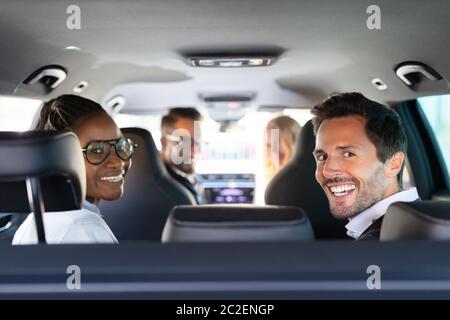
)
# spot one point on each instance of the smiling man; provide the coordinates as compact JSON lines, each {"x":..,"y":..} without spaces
{"x":360,"y":154}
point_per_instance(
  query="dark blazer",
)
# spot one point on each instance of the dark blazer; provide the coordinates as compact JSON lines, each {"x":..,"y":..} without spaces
{"x":185,"y":182}
{"x":373,"y":232}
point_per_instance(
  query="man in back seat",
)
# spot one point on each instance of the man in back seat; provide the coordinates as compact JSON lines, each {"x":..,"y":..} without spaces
{"x":360,"y":155}
{"x":180,"y":143}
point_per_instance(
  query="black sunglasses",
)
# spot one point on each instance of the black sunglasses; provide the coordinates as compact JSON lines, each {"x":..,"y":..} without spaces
{"x":98,"y":151}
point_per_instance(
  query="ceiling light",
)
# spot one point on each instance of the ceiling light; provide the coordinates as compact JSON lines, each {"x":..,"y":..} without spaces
{"x":226,"y":62}
{"x":72,"y":48}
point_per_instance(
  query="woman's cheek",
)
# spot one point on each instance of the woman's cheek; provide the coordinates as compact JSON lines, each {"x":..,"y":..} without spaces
{"x":90,"y":179}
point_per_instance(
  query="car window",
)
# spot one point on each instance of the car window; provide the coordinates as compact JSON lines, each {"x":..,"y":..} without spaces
{"x":150,"y":122}
{"x":17,"y":114}
{"x":437,"y":112}
{"x":231,"y":152}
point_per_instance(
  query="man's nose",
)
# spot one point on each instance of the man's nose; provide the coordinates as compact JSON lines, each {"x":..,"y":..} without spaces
{"x":332,"y":168}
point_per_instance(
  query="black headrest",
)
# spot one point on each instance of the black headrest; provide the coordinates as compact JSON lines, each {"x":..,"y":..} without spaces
{"x":296,"y":185}
{"x":421,"y":220}
{"x":55,"y":158}
{"x":305,"y":143}
{"x":236,"y":223}
{"x":149,"y":194}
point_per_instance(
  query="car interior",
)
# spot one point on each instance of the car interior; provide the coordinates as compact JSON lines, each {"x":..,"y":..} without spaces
{"x":240,"y":64}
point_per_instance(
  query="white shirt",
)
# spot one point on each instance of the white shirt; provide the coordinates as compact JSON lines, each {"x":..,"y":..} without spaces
{"x":189,"y":177}
{"x":364,"y":220}
{"x":67,"y":227}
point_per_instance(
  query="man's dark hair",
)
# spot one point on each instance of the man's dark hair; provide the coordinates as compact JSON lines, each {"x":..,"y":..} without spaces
{"x":180,"y":112}
{"x":383,"y":125}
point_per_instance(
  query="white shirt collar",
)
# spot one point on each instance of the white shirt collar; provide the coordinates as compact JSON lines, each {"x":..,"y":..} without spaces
{"x":364,"y":220}
{"x":189,"y":177}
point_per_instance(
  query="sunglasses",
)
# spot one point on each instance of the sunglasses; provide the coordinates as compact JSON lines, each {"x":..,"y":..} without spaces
{"x":98,"y":151}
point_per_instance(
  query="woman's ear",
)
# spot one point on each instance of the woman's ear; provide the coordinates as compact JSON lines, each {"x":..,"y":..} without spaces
{"x":127,"y":166}
{"x":395,"y":164}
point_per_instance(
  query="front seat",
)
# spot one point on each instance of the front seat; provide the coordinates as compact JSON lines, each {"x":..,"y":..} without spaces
{"x":39,"y":172}
{"x":149,"y":194}
{"x":231,"y":223}
{"x":296,"y":185}
{"x":418,"y":220}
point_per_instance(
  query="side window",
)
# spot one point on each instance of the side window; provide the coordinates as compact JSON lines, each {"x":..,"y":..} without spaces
{"x":17,"y":114}
{"x":408,"y":178}
{"x":437,"y":112}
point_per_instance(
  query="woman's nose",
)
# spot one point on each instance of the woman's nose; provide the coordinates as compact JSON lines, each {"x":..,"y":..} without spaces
{"x":115,"y":162}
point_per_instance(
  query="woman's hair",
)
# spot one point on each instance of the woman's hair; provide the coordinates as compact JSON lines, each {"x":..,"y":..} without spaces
{"x":64,"y":112}
{"x":288,"y":127}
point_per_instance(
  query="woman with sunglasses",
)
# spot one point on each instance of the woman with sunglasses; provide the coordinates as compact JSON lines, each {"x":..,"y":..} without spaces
{"x":107,"y":156}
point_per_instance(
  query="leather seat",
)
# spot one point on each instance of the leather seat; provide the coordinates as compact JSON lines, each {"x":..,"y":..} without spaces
{"x":296,"y":185}
{"x":39,"y":172}
{"x":149,"y":194}
{"x":225,"y":223}
{"x":419,"y":220}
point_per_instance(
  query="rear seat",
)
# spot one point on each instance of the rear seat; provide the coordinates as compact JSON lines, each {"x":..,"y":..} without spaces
{"x":225,"y":223}
{"x":149,"y":194}
{"x":421,"y":220}
{"x":41,"y":170}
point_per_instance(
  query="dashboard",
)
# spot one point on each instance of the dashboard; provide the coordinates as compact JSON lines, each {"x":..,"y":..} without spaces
{"x":228,"y":188}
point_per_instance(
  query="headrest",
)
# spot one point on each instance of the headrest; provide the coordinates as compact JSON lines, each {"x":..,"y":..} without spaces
{"x":148,"y":148}
{"x":55,"y":158}
{"x":149,"y":195}
{"x":236,"y":223}
{"x":421,"y":220}
{"x":306,"y":142}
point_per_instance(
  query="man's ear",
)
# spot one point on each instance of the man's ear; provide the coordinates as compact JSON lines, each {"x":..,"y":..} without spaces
{"x":394,"y":164}
{"x":163,"y":142}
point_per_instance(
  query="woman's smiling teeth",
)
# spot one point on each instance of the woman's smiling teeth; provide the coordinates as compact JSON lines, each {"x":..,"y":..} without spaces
{"x":342,"y":190}
{"x":112,"y":178}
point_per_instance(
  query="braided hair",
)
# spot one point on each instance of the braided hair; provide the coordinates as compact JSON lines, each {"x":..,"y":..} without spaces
{"x":64,"y":112}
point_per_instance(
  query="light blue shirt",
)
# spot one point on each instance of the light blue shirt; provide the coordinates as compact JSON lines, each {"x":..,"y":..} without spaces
{"x":67,"y":227}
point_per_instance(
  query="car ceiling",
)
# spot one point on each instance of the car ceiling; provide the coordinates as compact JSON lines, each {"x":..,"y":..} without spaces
{"x":135,"y":48}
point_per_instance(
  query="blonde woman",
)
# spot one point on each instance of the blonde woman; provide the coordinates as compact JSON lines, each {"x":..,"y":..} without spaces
{"x":280,"y":137}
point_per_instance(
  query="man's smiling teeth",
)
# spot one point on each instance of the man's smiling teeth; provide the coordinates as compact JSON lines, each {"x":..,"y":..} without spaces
{"x":112,"y":179}
{"x":342,"y":190}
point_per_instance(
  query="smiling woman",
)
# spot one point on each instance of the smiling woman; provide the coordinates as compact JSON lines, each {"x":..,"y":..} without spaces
{"x":105,"y":170}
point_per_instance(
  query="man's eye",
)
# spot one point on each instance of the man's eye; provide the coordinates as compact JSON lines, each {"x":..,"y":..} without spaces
{"x":349,"y":154}
{"x":321,"y":157}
